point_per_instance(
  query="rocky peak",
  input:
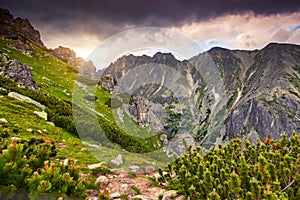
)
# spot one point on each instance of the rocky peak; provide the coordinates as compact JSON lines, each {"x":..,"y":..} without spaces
{"x":64,"y":53}
{"x":18,"y":29}
{"x":164,"y":58}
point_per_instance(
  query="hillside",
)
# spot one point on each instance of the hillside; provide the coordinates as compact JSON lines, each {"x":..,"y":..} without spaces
{"x":142,"y":112}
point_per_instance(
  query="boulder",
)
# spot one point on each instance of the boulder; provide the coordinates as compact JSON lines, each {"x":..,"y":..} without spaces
{"x":168,"y":195}
{"x":26,"y":99}
{"x":150,"y":169}
{"x":134,"y":168}
{"x":41,"y":114}
{"x":20,"y":73}
{"x":118,"y":160}
{"x":51,"y":124}
{"x":3,"y":121}
{"x":101,"y":179}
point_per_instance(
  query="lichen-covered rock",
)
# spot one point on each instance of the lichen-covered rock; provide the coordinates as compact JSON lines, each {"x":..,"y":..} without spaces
{"x":26,"y":99}
{"x":20,"y":73}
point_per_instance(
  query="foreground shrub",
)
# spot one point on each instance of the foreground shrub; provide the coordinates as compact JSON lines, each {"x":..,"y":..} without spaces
{"x":267,"y":170}
{"x":25,"y":166}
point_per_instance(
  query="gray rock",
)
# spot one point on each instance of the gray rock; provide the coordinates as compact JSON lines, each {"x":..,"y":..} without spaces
{"x":108,"y":83}
{"x":95,"y":146}
{"x":41,"y":114}
{"x":114,"y":195}
{"x":134,"y":168}
{"x":26,"y":99}
{"x":168,"y":195}
{"x":51,"y":123}
{"x":142,"y":197}
{"x":140,"y":110}
{"x":150,"y":169}
{"x":118,"y":160}
{"x":20,"y":73}
{"x":3,"y":121}
{"x":101,"y":179}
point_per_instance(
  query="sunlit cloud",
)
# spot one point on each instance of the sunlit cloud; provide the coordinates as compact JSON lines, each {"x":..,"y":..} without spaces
{"x":244,"y":31}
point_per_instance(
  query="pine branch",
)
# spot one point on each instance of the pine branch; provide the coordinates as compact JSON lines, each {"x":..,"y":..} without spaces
{"x":289,"y":185}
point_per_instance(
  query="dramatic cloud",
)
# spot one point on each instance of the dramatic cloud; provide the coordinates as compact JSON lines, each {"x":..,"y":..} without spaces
{"x":82,"y":25}
{"x":247,"y":31}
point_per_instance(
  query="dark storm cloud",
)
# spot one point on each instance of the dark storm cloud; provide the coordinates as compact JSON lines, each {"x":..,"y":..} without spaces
{"x":111,"y":16}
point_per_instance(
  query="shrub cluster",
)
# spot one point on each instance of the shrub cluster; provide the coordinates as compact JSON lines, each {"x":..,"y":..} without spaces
{"x":267,"y":170}
{"x":25,"y":166}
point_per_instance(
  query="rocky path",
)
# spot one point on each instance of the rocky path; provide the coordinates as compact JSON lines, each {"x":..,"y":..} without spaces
{"x":134,"y":186}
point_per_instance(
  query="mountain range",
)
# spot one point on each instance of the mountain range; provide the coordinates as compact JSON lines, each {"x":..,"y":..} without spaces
{"x":214,"y":96}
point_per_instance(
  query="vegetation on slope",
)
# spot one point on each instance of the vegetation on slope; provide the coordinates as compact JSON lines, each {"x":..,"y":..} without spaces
{"x":239,"y":170}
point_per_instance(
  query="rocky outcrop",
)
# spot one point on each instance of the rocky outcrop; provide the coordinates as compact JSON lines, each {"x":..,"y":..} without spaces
{"x":64,"y":53}
{"x":19,"y":29}
{"x":140,"y":110}
{"x":67,"y":55}
{"x":108,"y":83}
{"x":20,"y":73}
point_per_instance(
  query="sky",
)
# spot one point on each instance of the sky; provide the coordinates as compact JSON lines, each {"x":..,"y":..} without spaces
{"x":233,"y":24}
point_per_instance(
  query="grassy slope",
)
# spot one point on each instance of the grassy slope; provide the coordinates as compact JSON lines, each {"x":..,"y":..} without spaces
{"x":62,"y":77}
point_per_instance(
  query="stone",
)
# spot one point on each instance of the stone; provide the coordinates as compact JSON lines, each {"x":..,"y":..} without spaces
{"x":51,"y":124}
{"x":168,"y":195}
{"x":91,"y":145}
{"x":41,"y":114}
{"x":20,"y":73}
{"x":15,"y":138}
{"x":97,"y":165}
{"x":150,"y":169}
{"x":142,"y":197}
{"x":26,"y":99}
{"x":114,"y":195}
{"x":118,"y":160}
{"x":3,"y":121}
{"x":134,"y":168}
{"x":101,"y":179}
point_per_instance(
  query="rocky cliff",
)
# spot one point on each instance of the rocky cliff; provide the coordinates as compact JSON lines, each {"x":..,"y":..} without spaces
{"x":19,"y":29}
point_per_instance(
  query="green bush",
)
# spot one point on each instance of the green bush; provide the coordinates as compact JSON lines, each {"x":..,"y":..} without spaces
{"x":25,"y":166}
{"x":267,"y":170}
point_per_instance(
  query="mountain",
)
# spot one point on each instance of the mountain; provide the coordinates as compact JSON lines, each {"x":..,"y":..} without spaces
{"x":260,"y":94}
{"x":19,"y":29}
{"x":212,"y":97}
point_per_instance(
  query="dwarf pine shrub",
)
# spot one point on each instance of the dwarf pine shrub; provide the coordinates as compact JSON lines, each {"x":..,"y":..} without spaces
{"x":239,"y":170}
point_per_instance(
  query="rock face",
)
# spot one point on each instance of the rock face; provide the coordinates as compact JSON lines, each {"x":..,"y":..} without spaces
{"x":64,"y":53}
{"x":258,"y":93}
{"x":19,"y":29}
{"x":108,"y":83}
{"x":140,"y":110}
{"x":67,"y":55}
{"x":20,"y":73}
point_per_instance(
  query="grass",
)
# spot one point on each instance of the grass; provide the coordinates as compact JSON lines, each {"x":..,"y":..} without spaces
{"x":56,"y":78}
